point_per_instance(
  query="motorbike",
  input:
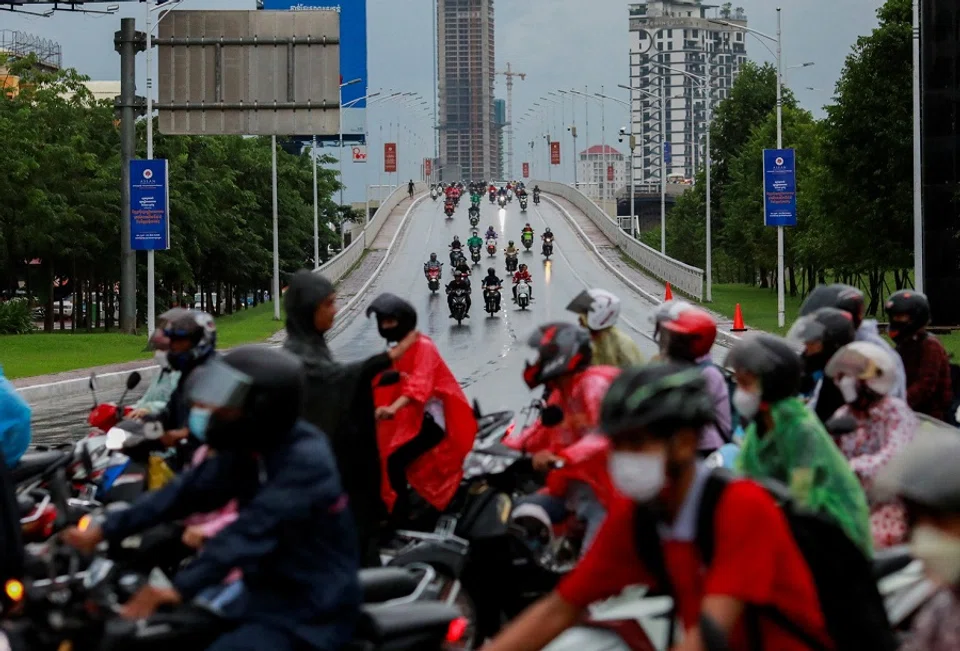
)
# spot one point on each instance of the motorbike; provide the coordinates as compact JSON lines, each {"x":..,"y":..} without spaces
{"x":474,"y":217}
{"x":510,"y":196}
{"x":492,"y":248}
{"x":456,"y":255}
{"x":491,"y":300}
{"x":493,"y":196}
{"x":523,"y":294}
{"x":475,"y":200}
{"x":104,"y":415}
{"x":502,"y":201}
{"x":523,"y":203}
{"x":458,"y":305}
{"x":527,"y":240}
{"x":547,"y":247}
{"x":448,"y":208}
{"x":511,"y":259}
{"x":433,"y":193}
{"x":536,"y":198}
{"x":433,"y":279}
{"x":475,"y":254}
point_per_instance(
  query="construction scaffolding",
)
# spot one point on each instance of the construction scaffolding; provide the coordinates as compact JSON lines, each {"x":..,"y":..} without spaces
{"x":18,"y":45}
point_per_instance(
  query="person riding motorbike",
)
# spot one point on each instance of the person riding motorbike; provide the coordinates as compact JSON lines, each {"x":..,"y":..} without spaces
{"x":927,"y":365}
{"x":652,"y":417}
{"x":425,"y":425}
{"x":432,"y":263}
{"x":785,"y":440}
{"x":598,"y":311}
{"x":455,"y":244}
{"x":547,"y":234}
{"x":866,"y":374}
{"x":511,"y":249}
{"x":567,"y":428}
{"x":522,"y":274}
{"x":850,"y":299}
{"x":157,"y":395}
{"x":491,"y":280}
{"x":460,"y":283}
{"x":474,"y":242}
{"x":821,"y":333}
{"x":527,"y":229}
{"x":293,"y":537}
{"x":463,"y":268}
{"x":490,"y":234}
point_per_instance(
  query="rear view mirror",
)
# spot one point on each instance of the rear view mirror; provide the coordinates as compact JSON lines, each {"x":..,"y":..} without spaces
{"x":93,"y":382}
{"x":133,"y":380}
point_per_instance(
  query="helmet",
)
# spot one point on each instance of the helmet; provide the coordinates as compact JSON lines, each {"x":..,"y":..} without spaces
{"x":828,"y":325}
{"x":473,"y":230}
{"x":666,"y":311}
{"x":527,"y":225}
{"x":912,"y":304}
{"x":600,"y":307}
{"x":865,"y":361}
{"x":843,"y":297}
{"x":523,"y":267}
{"x":264,"y":382}
{"x":562,"y":349}
{"x":491,"y":271}
{"x":158,"y":340}
{"x":924,"y":472}
{"x":490,"y":228}
{"x":456,"y":238}
{"x":692,"y":333}
{"x":546,"y":230}
{"x":196,"y":327}
{"x":510,"y":243}
{"x":659,"y":397}
{"x":773,"y":360}
{"x":389,"y":305}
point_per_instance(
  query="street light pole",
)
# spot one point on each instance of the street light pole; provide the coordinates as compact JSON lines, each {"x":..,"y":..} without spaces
{"x":781,"y":302}
{"x":917,"y":157}
{"x":151,"y":269}
{"x":316,"y":211}
{"x":663,"y":165}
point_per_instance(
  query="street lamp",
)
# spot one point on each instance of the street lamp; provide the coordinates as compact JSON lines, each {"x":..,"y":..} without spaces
{"x":663,"y":155}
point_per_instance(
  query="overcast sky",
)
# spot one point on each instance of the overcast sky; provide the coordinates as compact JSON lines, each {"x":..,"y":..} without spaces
{"x":558,"y":43}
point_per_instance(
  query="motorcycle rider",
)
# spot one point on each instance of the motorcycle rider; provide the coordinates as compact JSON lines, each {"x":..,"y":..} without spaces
{"x":547,"y":234}
{"x":822,"y":333}
{"x":527,"y":229}
{"x":460,"y":283}
{"x":425,"y":425}
{"x":455,"y":245}
{"x":491,"y":280}
{"x":653,"y":416}
{"x":786,"y":441}
{"x":598,"y":311}
{"x":866,"y":374}
{"x":566,"y":430}
{"x":522,"y":274}
{"x":293,"y":536}
{"x":511,"y":249}
{"x":432,"y":263}
{"x":157,"y":395}
{"x":474,"y":242}
{"x":925,"y":360}
{"x":490,"y":234}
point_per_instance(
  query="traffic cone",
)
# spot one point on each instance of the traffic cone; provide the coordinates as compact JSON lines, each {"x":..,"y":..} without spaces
{"x":668,"y":295}
{"x":738,"y":320}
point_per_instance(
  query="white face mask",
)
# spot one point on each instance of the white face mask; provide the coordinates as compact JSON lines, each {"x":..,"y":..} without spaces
{"x":160,"y":356}
{"x":850,"y":388}
{"x":746,"y":403}
{"x":939,"y":551}
{"x":638,"y":475}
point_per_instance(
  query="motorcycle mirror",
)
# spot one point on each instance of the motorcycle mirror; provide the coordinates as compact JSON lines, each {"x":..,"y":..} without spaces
{"x":93,"y":388}
{"x":713,"y":637}
{"x":551,"y":416}
{"x":133,"y":380}
{"x":476,"y":410}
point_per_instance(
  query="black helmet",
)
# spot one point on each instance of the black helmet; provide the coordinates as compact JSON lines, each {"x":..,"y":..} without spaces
{"x":546,"y":230}
{"x":491,"y":271}
{"x":830,"y":326}
{"x":523,"y":267}
{"x":562,"y":349}
{"x":773,"y":360}
{"x":196,"y":327}
{"x":389,"y":305}
{"x":510,"y":243}
{"x":843,"y":297}
{"x":659,"y":397}
{"x":924,"y":472}
{"x":433,"y":257}
{"x":912,"y":304}
{"x":264,"y":382}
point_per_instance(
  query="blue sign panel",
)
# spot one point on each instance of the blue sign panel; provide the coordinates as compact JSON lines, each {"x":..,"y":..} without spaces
{"x":779,"y":187}
{"x":149,"y":205}
{"x":667,"y":153}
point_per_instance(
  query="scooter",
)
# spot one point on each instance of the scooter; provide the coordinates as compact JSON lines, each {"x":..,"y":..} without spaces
{"x":547,"y":248}
{"x":512,"y":262}
{"x":510,"y":196}
{"x":458,"y":307}
{"x":474,"y":217}
{"x":104,"y":415}
{"x":527,"y":240}
{"x":456,"y":255}
{"x":448,"y":208}
{"x":536,"y":198}
{"x":502,"y":200}
{"x":491,"y":299}
{"x":493,"y":196}
{"x":433,"y":279}
{"x":523,"y":204}
{"x":492,"y":248}
{"x":475,"y":254}
{"x":433,"y":193}
{"x":523,"y":294}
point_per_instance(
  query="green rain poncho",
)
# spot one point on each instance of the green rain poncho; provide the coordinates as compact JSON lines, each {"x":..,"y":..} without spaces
{"x":800,"y":453}
{"x":612,"y":347}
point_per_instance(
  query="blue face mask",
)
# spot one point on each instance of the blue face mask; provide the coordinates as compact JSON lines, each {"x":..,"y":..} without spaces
{"x":199,"y":421}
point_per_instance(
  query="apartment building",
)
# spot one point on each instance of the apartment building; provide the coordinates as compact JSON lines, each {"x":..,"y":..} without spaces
{"x":602,"y":172}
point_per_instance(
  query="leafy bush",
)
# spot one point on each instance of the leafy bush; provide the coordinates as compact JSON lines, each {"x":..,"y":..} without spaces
{"x":15,"y":317}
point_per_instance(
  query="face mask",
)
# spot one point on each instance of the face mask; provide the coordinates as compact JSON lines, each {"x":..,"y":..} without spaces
{"x":638,"y":475}
{"x":160,"y":357}
{"x":939,"y":551}
{"x":746,"y":403}
{"x":199,"y":421}
{"x":850,"y":388}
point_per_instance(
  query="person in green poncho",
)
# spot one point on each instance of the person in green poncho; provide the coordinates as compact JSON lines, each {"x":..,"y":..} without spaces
{"x":599,"y":311}
{"x":786,"y":441}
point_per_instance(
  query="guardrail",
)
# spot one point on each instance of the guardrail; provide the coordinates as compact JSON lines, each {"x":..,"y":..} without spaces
{"x":681,"y":276}
{"x":337,"y":267}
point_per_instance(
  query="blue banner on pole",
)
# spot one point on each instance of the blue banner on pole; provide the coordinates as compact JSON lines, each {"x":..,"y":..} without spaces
{"x":149,"y":205}
{"x":779,"y":187}
{"x":667,"y":153}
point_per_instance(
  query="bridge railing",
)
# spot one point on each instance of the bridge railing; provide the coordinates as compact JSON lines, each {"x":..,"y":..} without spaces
{"x":337,"y":267}
{"x":684,"y":277}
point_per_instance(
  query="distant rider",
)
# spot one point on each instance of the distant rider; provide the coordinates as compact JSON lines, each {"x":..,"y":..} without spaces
{"x":490,"y":234}
{"x":547,"y":234}
{"x":410,"y":188}
{"x":475,"y":242}
{"x":522,"y":274}
{"x":491,"y":280}
{"x":511,"y":249}
{"x":455,"y":244}
{"x":432,"y":263}
{"x":460,"y":283}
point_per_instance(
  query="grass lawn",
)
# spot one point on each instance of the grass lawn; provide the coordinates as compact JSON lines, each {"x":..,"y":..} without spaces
{"x":43,"y":353}
{"x":759,"y":305}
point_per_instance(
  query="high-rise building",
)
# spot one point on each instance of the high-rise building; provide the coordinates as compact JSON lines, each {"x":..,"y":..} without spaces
{"x":602,"y":171}
{"x":940,"y":79}
{"x":500,"y":120}
{"x":679,"y":34}
{"x":469,"y":142}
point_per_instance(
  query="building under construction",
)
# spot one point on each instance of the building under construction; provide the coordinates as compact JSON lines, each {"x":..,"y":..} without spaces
{"x":469,"y":133}
{"x":19,"y":45}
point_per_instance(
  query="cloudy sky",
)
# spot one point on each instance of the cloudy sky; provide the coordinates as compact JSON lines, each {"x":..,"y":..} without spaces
{"x":558,"y":43}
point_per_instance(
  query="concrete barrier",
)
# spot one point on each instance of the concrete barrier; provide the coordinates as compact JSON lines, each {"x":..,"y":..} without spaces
{"x":681,"y":276}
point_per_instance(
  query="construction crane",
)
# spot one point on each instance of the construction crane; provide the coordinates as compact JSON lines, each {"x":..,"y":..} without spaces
{"x":510,"y":74}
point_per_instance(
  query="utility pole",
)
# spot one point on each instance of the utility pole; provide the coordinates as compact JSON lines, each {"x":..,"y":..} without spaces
{"x":127,"y":42}
{"x":510,"y":74}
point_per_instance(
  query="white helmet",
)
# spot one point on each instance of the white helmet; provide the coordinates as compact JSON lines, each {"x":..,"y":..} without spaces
{"x":865,"y":361}
{"x":600,"y":307}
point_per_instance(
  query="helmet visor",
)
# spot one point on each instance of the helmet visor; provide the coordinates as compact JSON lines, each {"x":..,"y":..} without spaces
{"x":217,"y":384}
{"x":581,"y":304}
{"x":806,"y":329}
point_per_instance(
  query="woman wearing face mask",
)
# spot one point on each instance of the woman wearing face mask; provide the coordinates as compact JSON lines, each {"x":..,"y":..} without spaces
{"x":924,"y":477}
{"x":157,"y":395}
{"x":866,"y":374}
{"x":785,"y":441}
{"x":425,"y":425}
{"x":821,"y":334}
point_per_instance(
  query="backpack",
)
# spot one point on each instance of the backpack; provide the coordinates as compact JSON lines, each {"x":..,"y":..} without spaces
{"x":731,"y":387}
{"x":853,"y":609}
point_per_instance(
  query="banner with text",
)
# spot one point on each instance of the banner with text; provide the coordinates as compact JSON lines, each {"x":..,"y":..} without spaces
{"x":609,"y":172}
{"x":149,"y":205}
{"x":555,"y":153}
{"x":427,"y":167}
{"x":389,"y":157}
{"x":526,"y":170}
{"x":779,"y":187}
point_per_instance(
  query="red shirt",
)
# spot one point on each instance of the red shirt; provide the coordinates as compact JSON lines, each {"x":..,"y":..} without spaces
{"x":755,"y":560}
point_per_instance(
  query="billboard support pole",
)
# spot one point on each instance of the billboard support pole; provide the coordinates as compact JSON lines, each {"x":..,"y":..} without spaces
{"x":276,"y":235}
{"x":316,"y":212}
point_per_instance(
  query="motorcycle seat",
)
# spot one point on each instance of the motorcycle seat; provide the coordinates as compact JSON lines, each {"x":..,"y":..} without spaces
{"x":891,"y":560}
{"x":428,"y":619}
{"x":381,"y":584}
{"x":36,"y":462}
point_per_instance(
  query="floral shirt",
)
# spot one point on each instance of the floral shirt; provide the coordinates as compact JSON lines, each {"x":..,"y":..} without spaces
{"x":886,"y":427}
{"x":937,"y":627}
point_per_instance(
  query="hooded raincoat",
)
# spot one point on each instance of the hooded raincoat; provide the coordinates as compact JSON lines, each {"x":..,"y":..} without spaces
{"x":868,"y":331}
{"x":612,"y":347}
{"x":800,"y":453}
{"x":338,"y":399}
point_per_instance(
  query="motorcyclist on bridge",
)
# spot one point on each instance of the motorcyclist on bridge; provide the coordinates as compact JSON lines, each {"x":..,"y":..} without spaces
{"x":511,"y":249}
{"x":490,"y":234}
{"x":547,"y":234}
{"x":456,"y":245}
{"x":475,"y":242}
{"x":522,"y":274}
{"x":491,"y":280}
{"x":567,"y":428}
{"x":460,"y":283}
{"x":432,"y":263}
{"x":599,"y":310}
{"x":157,"y":395}
{"x":527,"y":229}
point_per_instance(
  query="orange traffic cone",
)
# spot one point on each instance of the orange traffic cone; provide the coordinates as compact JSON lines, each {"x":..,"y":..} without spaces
{"x":738,"y":320}
{"x":668,"y":295}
